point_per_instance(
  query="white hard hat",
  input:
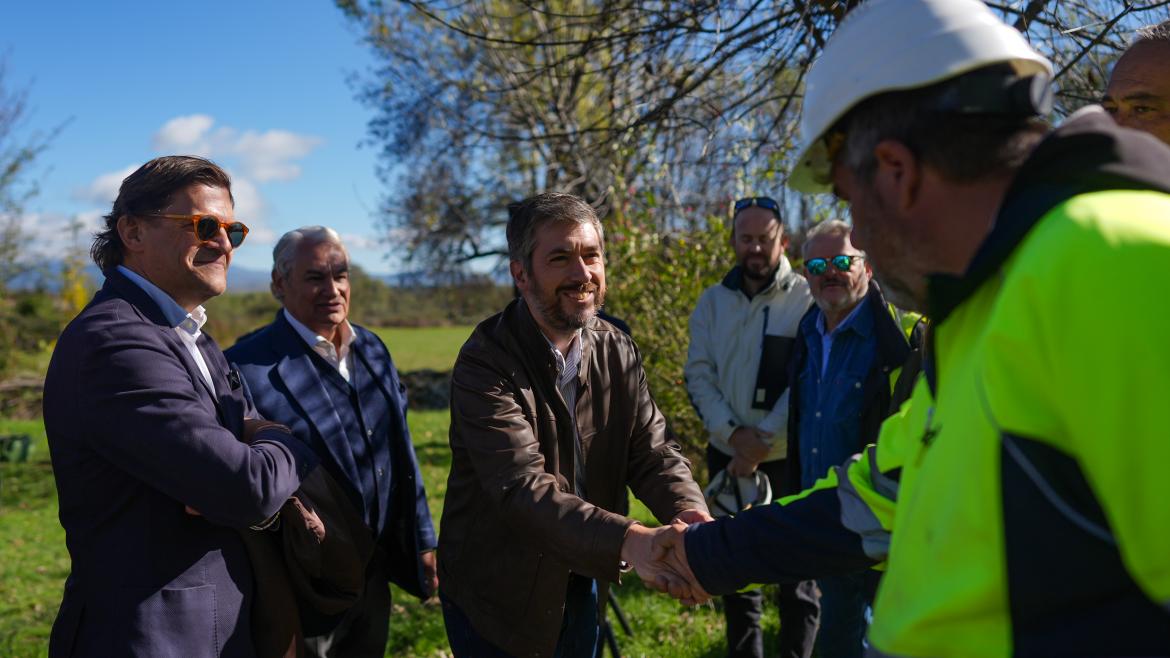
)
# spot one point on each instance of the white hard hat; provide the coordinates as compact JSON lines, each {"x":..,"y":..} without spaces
{"x":889,"y":45}
{"x":727,"y":495}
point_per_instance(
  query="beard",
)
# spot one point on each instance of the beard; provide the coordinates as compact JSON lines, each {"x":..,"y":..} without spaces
{"x":757,"y":268}
{"x":849,"y":297}
{"x":551,"y":306}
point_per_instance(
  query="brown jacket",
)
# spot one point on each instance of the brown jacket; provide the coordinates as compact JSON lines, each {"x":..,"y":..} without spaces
{"x":315,"y":561}
{"x":511,"y":529}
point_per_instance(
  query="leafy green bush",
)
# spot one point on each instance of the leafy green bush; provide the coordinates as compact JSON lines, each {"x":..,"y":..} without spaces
{"x":655,"y":277}
{"x":29,"y":322}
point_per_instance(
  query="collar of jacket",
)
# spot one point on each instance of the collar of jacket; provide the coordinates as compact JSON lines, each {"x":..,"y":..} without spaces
{"x":524,"y":338}
{"x":118,"y":284}
{"x":893,"y":344}
{"x":782,"y":280}
{"x":1089,"y":153}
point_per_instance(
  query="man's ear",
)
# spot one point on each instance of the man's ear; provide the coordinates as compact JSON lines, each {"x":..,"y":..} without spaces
{"x":519,"y":275}
{"x":277,"y":286}
{"x":898,"y":175}
{"x":131,"y":230}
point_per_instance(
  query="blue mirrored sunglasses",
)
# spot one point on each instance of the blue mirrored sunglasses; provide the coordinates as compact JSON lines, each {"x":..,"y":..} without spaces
{"x":841,"y":262}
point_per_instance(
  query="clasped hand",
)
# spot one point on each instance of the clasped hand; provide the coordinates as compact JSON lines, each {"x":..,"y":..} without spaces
{"x":659,"y":556}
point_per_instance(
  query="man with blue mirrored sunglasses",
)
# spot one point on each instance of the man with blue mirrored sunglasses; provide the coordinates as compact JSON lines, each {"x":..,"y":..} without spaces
{"x":842,"y":390}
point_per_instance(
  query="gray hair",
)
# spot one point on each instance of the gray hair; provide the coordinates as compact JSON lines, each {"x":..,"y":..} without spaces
{"x":1156,"y":32}
{"x":829,"y":227}
{"x":525,"y":217}
{"x":285,"y":251}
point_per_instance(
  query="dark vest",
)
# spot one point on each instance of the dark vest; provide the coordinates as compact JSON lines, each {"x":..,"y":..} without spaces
{"x":367,"y":416}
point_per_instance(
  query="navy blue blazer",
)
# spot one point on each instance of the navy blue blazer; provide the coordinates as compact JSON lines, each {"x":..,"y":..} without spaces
{"x":283,"y":377}
{"x":135,"y":434}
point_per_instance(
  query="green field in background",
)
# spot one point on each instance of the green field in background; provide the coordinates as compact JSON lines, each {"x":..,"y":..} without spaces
{"x":433,"y":348}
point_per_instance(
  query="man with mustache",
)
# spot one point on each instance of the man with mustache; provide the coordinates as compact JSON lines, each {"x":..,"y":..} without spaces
{"x":742,"y":332}
{"x":1138,"y":95}
{"x":551,"y":420}
{"x":334,"y":384}
{"x":845,"y":363}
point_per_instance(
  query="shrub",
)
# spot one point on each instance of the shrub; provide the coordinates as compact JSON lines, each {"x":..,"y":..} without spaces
{"x":655,"y":278}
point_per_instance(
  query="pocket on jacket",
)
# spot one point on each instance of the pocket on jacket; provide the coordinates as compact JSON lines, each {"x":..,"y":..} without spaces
{"x":170,"y":622}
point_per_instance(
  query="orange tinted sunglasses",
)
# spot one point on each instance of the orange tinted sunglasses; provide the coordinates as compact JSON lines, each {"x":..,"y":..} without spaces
{"x":207,"y":227}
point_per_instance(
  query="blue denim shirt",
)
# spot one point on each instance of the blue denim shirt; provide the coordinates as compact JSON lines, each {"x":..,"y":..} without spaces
{"x":831,"y":384}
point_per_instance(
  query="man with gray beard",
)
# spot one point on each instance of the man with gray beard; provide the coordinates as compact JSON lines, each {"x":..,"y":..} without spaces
{"x":551,"y":420}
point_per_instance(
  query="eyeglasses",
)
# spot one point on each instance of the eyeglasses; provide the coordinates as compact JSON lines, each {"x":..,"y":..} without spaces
{"x":207,"y":227}
{"x":765,"y":202}
{"x":842,"y":263}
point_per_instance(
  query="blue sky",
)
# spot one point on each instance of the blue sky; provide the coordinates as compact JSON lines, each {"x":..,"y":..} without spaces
{"x":260,"y":86}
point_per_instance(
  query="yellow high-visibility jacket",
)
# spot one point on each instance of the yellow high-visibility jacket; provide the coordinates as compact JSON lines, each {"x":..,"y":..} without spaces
{"x":1020,"y":500}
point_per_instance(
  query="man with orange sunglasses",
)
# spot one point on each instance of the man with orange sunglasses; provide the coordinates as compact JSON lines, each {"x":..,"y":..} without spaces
{"x":158,"y":456}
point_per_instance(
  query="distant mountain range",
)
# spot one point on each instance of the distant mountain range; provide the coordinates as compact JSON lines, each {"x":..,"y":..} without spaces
{"x":240,"y":279}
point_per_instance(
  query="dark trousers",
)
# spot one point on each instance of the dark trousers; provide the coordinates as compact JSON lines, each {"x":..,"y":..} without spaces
{"x":362,"y":630}
{"x":798,"y":606}
{"x":580,"y":629}
{"x":844,"y":601}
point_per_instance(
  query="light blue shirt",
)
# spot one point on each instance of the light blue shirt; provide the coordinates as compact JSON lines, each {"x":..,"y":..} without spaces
{"x":827,"y":337}
{"x":189,"y":326}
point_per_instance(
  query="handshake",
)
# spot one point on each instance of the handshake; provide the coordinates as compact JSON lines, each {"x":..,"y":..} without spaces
{"x":659,"y":556}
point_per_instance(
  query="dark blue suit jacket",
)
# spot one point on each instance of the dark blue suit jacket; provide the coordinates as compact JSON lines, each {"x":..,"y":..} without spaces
{"x":284,"y":380}
{"x":135,"y":434}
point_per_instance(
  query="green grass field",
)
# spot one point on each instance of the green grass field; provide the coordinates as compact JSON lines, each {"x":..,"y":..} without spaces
{"x":434,"y":348}
{"x":34,"y":563}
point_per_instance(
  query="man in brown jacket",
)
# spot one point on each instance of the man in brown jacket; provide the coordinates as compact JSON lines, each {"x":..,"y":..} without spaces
{"x":551,"y":419}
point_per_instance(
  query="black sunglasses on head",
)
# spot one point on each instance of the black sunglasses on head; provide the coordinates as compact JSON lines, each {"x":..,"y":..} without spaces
{"x":765,"y":202}
{"x":207,"y":227}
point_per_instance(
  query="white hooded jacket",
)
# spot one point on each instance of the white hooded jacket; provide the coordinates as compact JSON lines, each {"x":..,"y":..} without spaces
{"x":728,"y":384}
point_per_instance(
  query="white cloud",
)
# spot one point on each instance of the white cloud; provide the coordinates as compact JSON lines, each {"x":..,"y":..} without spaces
{"x":104,"y":188}
{"x":252,"y":210}
{"x":260,"y":155}
{"x":186,"y":134}
{"x":52,"y":235}
{"x":359,"y":241}
{"x":253,"y":157}
{"x":271,"y":155}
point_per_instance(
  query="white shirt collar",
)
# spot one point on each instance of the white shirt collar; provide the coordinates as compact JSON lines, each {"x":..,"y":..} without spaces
{"x":315,"y":340}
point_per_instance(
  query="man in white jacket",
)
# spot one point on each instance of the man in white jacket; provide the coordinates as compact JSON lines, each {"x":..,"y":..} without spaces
{"x":742,"y":332}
